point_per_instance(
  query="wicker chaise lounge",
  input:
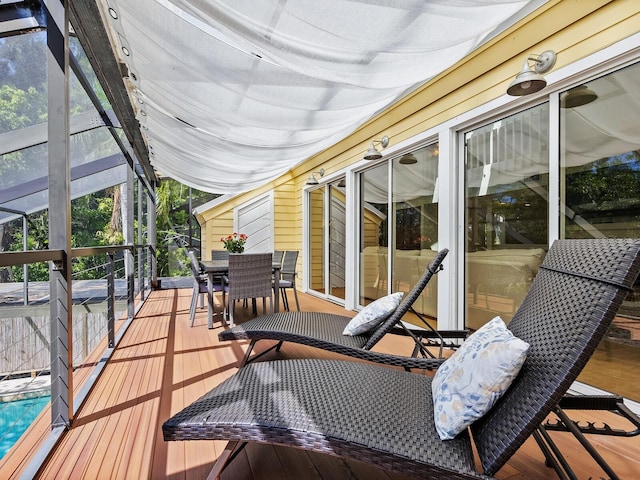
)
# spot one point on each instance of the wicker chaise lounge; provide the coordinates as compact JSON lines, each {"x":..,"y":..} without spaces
{"x":385,"y":416}
{"x":324,"y":330}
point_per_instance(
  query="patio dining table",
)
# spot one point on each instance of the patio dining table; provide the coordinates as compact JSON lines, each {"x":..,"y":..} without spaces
{"x":215,"y":268}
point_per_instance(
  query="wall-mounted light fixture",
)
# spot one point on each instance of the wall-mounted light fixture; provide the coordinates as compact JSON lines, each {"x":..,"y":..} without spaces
{"x":531,"y":81}
{"x":577,"y":96}
{"x":312,"y":178}
{"x":373,"y":153}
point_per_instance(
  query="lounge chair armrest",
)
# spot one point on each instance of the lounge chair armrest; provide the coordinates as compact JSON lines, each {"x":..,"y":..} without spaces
{"x":610,"y":403}
{"x":408,"y":363}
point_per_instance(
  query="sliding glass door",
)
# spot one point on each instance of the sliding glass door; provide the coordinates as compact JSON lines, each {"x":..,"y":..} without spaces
{"x":600,"y":198}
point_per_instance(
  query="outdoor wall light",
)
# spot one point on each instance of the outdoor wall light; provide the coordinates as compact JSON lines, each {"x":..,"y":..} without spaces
{"x":312,"y":178}
{"x":373,"y":153}
{"x":577,"y":96}
{"x":530,"y":81}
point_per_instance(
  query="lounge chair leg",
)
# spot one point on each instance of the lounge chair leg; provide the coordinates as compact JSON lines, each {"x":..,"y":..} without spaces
{"x":229,"y":453}
{"x":245,"y":360}
{"x":552,"y":455}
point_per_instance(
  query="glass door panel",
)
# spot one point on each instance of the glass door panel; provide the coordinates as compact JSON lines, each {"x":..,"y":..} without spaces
{"x":374,"y":234}
{"x":600,"y":197}
{"x":507,"y":186}
{"x":337,"y":239}
{"x":415,"y":210}
{"x":316,"y":240}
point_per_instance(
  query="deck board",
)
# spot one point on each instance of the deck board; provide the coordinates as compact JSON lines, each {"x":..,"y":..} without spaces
{"x":162,"y":365}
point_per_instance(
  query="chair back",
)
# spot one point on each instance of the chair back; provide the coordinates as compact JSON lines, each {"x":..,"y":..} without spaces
{"x":408,"y":300}
{"x":250,"y":275}
{"x":289,"y":262}
{"x":277,"y":257}
{"x":567,"y":311}
{"x":219,"y":255}
{"x":196,"y":270}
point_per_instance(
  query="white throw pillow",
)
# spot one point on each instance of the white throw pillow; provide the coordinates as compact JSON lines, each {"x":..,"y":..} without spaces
{"x":469,"y":383}
{"x":373,"y":314}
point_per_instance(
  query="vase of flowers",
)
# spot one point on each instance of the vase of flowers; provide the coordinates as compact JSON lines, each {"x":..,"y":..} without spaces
{"x":234,"y":243}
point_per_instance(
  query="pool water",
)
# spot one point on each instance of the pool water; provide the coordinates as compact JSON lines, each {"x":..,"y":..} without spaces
{"x":15,"y":418}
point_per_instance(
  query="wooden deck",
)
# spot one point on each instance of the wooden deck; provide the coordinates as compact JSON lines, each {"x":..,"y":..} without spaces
{"x":162,"y":365}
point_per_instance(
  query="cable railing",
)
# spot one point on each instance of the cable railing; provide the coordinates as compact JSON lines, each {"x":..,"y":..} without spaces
{"x":101,"y":307}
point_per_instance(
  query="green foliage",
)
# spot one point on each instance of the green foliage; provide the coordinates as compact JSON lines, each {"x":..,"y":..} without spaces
{"x":172,"y":224}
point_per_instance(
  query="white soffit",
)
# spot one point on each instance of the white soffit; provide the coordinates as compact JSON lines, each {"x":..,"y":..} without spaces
{"x":232,"y":94}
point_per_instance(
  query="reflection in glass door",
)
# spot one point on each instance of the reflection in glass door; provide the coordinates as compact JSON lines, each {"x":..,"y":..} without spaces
{"x":415,"y":209}
{"x":507,"y":186}
{"x":600,"y":198}
{"x":374,"y":234}
{"x":327,"y":239}
{"x":316,"y":239}
{"x":399,"y":227}
{"x":337,"y":239}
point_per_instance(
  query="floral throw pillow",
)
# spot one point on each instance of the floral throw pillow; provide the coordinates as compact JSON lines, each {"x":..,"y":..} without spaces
{"x":469,"y":383}
{"x":373,"y":314}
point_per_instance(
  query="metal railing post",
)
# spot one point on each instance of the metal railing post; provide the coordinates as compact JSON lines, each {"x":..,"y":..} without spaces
{"x":111,"y":299}
{"x":60,"y":281}
{"x":25,"y":267}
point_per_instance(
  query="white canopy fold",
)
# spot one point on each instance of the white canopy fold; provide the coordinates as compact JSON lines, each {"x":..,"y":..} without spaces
{"x":232,"y":94}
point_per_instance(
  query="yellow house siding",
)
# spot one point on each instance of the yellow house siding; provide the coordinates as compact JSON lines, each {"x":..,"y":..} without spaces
{"x":286,"y":220}
{"x":222,"y":227}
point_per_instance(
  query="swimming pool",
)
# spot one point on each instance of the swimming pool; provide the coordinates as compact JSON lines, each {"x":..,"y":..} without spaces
{"x":15,"y":418}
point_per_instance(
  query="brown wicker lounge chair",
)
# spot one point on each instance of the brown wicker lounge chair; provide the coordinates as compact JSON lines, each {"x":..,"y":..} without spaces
{"x":324,"y":330}
{"x":384,"y":416}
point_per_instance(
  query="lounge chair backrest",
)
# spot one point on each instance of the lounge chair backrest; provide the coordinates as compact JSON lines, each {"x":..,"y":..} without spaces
{"x":568,"y":309}
{"x":408,"y":300}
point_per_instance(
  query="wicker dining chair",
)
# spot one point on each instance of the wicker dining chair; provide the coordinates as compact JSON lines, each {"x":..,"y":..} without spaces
{"x":250,"y":277}
{"x":277,"y":257}
{"x":219,"y":255}
{"x":200,"y":287}
{"x":288,"y":276}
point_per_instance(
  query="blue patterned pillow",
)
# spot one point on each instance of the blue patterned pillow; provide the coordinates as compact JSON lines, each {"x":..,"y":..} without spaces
{"x":373,"y":314}
{"x":469,"y":383}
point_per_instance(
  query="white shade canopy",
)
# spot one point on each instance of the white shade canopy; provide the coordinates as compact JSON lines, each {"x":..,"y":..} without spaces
{"x":232,"y":94}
